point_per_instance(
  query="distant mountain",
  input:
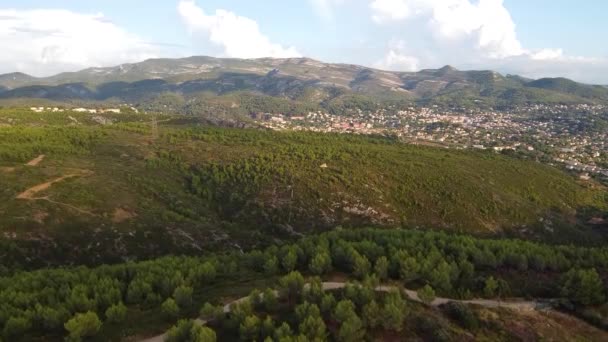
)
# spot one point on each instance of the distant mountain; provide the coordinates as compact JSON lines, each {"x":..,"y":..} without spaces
{"x":566,"y":86}
{"x":301,"y":80}
{"x":15,"y":79}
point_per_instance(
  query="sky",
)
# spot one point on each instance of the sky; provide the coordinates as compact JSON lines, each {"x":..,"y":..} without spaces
{"x":532,"y":38}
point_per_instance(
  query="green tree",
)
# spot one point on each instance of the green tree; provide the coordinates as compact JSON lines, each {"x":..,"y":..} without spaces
{"x":381,"y":268}
{"x":292,"y":286}
{"x":250,"y":328}
{"x":169,"y":308}
{"x":188,"y":331}
{"x":267,"y":329}
{"x":283,"y":331}
{"x":255,"y":298}
{"x":240,"y":311}
{"x":306,"y":309}
{"x":82,"y":325}
{"x":270,"y":300}
{"x":440,"y":277}
{"x":321,"y":263}
{"x":462,"y":314}
{"x":394,"y":311}
{"x":328,"y":303}
{"x":504,"y":289}
{"x":116,"y":313}
{"x":372,"y":314}
{"x":583,"y":287}
{"x":137,"y":291}
{"x":290,"y":260}
{"x":490,"y":287}
{"x":16,"y":326}
{"x":271,"y":266}
{"x":409,"y":269}
{"x":361,"y":267}
{"x":426,"y":294}
{"x":202,"y":274}
{"x":183,"y":296}
{"x":202,"y":334}
{"x":49,"y":318}
{"x":351,"y":330}
{"x":211,"y":312}
{"x":344,"y":310}
{"x":313,"y":328}
{"x":313,"y":291}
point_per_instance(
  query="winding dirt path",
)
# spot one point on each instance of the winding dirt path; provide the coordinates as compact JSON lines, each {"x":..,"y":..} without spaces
{"x":36,"y":161}
{"x":438,"y":301}
{"x":413,"y":295}
{"x":30,"y":194}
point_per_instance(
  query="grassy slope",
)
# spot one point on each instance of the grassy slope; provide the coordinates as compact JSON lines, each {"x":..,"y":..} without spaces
{"x":196,"y":189}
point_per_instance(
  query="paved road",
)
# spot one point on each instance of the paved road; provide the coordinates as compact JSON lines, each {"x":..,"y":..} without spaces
{"x":413,"y":295}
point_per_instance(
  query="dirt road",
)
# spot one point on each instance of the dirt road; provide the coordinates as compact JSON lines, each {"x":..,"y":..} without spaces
{"x":413,"y":295}
{"x":35,"y":161}
{"x":31,"y":193}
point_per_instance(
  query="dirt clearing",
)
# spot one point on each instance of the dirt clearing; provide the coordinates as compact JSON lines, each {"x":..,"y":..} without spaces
{"x":121,"y":215}
{"x":30,"y":194}
{"x":35,"y":161}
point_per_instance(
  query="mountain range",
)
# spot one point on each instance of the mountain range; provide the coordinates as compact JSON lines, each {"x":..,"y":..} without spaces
{"x":299,"y":80}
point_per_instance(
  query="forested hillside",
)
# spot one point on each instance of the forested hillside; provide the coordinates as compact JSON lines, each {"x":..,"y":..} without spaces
{"x":90,"y":188}
{"x":134,"y":300}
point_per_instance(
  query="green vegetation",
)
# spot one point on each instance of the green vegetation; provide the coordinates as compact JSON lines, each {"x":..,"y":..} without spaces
{"x":54,"y":302}
{"x":140,"y":193}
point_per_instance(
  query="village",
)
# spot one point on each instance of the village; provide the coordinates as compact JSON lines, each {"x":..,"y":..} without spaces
{"x":568,"y":135}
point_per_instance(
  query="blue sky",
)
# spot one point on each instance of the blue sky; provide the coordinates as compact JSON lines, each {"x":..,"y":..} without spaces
{"x":534,"y":38}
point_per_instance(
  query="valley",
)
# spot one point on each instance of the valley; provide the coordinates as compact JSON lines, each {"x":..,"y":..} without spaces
{"x":207,"y":199}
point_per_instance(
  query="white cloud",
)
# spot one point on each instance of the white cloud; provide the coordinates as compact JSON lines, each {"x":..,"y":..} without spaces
{"x":470,"y":34}
{"x":396,"y":59}
{"x":234,"y":35}
{"x":389,"y":10}
{"x":487,"y":24}
{"x":42,"y":42}
{"x":398,"y":62}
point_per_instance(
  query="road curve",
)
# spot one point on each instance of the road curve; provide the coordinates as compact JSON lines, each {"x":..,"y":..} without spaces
{"x":413,"y":295}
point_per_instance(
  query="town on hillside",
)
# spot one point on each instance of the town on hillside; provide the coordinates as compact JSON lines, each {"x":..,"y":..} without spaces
{"x":573,"y":136}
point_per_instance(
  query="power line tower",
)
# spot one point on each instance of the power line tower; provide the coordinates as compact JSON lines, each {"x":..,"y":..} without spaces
{"x":154,"y":128}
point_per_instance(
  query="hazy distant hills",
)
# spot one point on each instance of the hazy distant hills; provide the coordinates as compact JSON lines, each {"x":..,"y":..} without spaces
{"x":296,"y":79}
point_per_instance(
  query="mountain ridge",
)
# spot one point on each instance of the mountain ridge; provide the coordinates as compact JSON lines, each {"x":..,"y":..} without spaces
{"x":295,"y":79}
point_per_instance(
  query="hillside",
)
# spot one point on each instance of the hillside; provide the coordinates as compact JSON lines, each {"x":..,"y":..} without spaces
{"x":300,"y":81}
{"x":369,"y":284}
{"x":109,"y":187}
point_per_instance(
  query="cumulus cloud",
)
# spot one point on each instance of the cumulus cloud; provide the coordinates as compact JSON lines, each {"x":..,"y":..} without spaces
{"x":470,"y":34}
{"x":44,"y":42}
{"x":396,"y":59}
{"x":486,"y":24}
{"x":234,"y":35}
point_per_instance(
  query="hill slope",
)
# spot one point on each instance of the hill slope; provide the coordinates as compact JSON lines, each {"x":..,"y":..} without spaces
{"x":104,"y":192}
{"x":296,"y":79}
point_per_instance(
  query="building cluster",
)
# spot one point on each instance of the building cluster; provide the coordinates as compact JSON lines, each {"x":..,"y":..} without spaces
{"x":571,"y":135}
{"x":78,"y":110}
{"x":46,"y":109}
